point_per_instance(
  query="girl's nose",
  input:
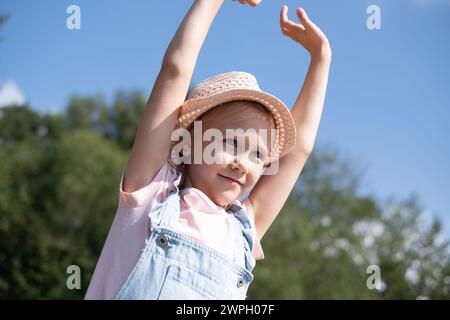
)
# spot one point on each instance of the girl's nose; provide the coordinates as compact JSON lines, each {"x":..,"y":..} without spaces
{"x":239,"y":164}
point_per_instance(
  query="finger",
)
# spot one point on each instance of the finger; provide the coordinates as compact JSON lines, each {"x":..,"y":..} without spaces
{"x":293,"y":34}
{"x":301,"y":13}
{"x":283,"y":13}
{"x":284,"y":20}
{"x":254,"y":3}
{"x":303,"y":17}
{"x":292,"y":27}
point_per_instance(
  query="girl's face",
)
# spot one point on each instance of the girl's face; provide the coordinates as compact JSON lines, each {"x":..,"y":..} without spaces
{"x":244,"y":164}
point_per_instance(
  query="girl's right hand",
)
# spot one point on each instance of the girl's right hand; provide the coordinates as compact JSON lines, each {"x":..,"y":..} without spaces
{"x":253,"y":3}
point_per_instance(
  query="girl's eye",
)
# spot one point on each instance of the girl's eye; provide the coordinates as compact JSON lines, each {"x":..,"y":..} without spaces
{"x":259,"y":155}
{"x":231,"y":141}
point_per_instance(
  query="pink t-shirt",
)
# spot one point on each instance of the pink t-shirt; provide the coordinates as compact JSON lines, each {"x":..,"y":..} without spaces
{"x":200,"y":218}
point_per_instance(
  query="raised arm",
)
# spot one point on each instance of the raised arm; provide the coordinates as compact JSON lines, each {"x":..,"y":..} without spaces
{"x":271,"y":192}
{"x":152,"y":142}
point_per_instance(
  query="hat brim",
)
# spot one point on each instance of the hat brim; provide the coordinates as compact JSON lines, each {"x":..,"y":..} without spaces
{"x":194,"y":108}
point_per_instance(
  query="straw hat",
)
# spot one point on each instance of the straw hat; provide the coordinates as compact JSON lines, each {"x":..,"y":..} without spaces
{"x":232,"y":86}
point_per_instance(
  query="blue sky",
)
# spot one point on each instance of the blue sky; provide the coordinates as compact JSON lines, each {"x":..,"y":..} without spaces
{"x":388,"y":100}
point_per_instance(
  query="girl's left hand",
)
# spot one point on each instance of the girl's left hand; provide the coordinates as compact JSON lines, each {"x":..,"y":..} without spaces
{"x":307,"y":33}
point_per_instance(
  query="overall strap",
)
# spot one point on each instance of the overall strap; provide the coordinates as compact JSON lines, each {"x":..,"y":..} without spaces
{"x":166,"y":213}
{"x":243,"y":251}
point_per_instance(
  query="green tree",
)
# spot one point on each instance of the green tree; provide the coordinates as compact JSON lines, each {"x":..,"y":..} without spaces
{"x":88,"y":113}
{"x":87,"y":170}
{"x":58,"y":195}
{"x":3,"y":18}
{"x":125,"y":116}
{"x":413,"y":253}
{"x":18,"y":123}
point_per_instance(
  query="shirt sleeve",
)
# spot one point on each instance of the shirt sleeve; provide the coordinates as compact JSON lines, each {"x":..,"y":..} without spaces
{"x":258,"y":252}
{"x":156,"y":190}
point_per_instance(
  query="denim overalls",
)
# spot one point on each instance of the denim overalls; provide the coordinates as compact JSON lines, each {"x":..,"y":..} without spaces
{"x":174,"y":266}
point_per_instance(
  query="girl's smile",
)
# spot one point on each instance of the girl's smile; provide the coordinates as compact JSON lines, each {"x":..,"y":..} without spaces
{"x":231,"y":181}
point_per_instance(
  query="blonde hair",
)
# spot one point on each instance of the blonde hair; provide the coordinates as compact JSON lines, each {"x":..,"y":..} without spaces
{"x":233,"y":111}
{"x":240,"y":110}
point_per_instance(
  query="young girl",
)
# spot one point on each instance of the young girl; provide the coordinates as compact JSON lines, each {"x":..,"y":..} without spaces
{"x":180,"y":231}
